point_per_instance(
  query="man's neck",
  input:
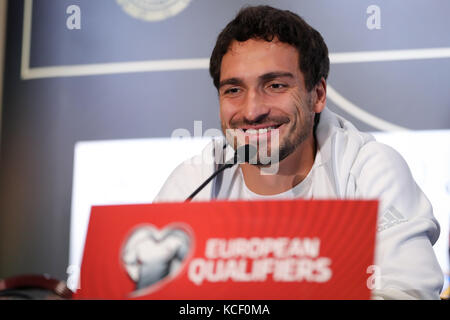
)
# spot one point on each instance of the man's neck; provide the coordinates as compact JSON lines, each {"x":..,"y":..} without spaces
{"x":291,"y":171}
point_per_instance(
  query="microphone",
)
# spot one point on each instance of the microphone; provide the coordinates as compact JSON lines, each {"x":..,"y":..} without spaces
{"x":243,"y":154}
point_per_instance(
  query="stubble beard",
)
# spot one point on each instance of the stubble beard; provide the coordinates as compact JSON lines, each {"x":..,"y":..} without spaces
{"x":280,"y":150}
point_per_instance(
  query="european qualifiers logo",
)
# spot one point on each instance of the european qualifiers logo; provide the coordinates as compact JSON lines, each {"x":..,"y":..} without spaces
{"x":256,"y":259}
{"x":153,"y":10}
{"x":151,"y":256}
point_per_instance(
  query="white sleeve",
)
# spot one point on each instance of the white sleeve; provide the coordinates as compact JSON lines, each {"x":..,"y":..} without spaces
{"x":407,"y":229}
{"x":177,"y":187}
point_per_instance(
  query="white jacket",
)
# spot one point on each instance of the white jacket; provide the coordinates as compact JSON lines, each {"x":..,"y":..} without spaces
{"x":350,"y":165}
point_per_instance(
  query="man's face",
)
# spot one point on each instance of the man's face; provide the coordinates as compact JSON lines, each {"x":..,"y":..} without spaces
{"x":262,"y":94}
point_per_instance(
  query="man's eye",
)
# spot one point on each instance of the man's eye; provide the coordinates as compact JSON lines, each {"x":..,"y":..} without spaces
{"x":231,"y":91}
{"x":277,"y":86}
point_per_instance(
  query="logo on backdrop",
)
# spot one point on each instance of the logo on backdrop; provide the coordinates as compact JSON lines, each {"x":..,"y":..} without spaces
{"x":152,"y":255}
{"x":153,"y":10}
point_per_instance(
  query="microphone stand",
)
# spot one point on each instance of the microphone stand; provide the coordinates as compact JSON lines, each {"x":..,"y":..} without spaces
{"x":225,"y":166}
{"x":249,"y":153}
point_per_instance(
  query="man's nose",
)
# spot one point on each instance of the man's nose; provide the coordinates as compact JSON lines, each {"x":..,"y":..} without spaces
{"x":255,"y":108}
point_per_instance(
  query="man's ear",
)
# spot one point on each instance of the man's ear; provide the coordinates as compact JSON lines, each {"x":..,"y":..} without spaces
{"x":320,"y":91}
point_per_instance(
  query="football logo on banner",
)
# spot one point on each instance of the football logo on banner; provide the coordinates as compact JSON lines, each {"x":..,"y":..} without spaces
{"x":153,"y":10}
{"x":151,"y":255}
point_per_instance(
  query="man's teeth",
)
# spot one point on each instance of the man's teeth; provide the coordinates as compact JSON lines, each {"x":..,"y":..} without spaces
{"x":259,"y":131}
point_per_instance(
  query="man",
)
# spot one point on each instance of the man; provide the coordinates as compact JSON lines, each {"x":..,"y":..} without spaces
{"x":270,"y":69}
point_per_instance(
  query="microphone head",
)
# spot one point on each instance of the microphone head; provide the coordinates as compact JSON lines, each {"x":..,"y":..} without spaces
{"x":245,"y":153}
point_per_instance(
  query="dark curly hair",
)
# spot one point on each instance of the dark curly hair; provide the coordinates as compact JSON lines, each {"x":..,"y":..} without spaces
{"x":268,"y":23}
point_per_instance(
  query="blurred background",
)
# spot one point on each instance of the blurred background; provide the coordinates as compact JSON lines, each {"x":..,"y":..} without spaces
{"x":92,"y":91}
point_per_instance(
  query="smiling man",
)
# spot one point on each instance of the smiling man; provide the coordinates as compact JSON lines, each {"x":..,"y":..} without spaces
{"x":262,"y":89}
{"x":270,"y":69}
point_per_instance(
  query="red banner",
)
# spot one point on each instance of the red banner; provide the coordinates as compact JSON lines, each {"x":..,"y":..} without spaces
{"x":293,"y":249}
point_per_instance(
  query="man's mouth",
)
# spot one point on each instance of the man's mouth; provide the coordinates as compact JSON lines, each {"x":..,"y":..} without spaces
{"x":260,"y":129}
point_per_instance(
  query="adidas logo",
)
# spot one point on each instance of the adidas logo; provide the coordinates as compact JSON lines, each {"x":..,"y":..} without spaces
{"x":391,"y":217}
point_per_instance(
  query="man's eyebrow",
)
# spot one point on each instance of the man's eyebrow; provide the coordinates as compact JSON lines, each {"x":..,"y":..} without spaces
{"x":231,"y":81}
{"x":265,"y":77}
{"x":273,"y":75}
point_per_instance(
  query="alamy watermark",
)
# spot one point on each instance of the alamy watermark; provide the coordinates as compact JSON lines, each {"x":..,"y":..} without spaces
{"x":73,"y":21}
{"x":373,"y":21}
{"x":265,"y":141}
{"x":374,"y":280}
